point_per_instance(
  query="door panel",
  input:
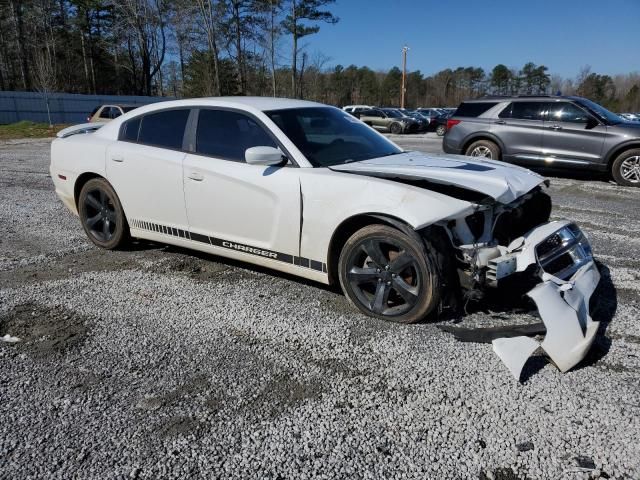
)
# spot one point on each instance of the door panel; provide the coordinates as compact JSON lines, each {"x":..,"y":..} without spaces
{"x":146,"y":169}
{"x":568,"y":137}
{"x":253,"y":205}
{"x":521,"y":129}
{"x":148,"y":181}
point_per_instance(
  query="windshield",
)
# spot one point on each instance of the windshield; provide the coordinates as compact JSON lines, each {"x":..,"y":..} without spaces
{"x":393,"y":113}
{"x":327,"y":136}
{"x":599,"y":111}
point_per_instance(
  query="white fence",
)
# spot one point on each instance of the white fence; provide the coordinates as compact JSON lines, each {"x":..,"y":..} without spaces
{"x":64,"y":107}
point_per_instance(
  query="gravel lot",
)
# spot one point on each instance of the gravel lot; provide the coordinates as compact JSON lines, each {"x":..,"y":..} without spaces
{"x":158,"y":362}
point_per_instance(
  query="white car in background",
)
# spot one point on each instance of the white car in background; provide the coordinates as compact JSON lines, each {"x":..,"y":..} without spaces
{"x":308,"y":189}
{"x":106,"y":113}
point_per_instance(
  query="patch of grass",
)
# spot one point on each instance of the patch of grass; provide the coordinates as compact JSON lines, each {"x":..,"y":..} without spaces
{"x":27,"y":129}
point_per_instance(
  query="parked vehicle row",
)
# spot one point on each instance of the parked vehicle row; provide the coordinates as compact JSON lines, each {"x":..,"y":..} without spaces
{"x":547,"y":131}
{"x":402,"y":120}
{"x":634,"y":117}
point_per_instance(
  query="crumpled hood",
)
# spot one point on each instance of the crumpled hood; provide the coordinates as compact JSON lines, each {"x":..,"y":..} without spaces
{"x":502,"y":181}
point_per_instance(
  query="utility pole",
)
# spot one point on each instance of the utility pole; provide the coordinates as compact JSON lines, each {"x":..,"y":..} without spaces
{"x":403,"y":89}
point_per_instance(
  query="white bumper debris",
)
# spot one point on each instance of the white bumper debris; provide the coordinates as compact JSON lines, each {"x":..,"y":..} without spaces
{"x":569,"y":277}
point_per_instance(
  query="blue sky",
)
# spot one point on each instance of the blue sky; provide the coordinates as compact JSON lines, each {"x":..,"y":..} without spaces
{"x":561,"y":34}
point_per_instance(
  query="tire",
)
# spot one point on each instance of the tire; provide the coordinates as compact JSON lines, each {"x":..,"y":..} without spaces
{"x":389,"y":275}
{"x":441,"y":130}
{"x":101,"y":215}
{"x":625,"y":169}
{"x":483,"y":148}
{"x":395,"y":128}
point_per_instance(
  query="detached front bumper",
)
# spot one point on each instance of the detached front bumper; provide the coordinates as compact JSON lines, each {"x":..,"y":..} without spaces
{"x":569,"y":276}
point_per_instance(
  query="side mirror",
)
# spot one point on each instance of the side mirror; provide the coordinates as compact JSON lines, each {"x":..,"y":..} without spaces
{"x":266,"y":156}
{"x":592,"y":122}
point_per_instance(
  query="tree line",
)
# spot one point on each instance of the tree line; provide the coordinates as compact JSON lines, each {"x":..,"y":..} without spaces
{"x":188,"y":48}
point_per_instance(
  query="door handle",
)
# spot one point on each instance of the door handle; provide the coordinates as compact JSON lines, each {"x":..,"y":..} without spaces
{"x":500,"y":122}
{"x":555,"y":127}
{"x":117,"y":158}
{"x":198,"y":177}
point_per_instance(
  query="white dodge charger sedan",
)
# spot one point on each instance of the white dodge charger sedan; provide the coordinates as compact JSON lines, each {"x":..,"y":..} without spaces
{"x":308,"y":189}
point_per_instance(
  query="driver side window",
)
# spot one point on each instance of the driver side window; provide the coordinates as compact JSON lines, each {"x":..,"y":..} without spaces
{"x":227,"y":135}
{"x":567,"y":112}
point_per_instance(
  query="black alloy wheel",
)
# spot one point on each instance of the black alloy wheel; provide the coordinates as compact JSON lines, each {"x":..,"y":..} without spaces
{"x":388,"y":274}
{"x":101,"y":214}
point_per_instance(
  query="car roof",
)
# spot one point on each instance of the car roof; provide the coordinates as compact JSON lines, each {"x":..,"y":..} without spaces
{"x":248,"y":104}
{"x":521,"y":98}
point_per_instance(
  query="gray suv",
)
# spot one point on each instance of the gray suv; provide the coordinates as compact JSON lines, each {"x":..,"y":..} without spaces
{"x":546,"y":131}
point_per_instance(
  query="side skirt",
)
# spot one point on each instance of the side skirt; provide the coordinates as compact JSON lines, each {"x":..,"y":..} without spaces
{"x":300,"y":266}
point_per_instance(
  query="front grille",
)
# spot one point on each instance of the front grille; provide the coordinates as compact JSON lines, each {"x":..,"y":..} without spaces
{"x":550,"y":244}
{"x":564,"y":252}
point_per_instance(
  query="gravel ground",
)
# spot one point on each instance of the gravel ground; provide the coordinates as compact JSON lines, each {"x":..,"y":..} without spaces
{"x":158,"y":362}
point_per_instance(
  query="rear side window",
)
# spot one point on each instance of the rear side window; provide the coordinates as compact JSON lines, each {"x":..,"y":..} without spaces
{"x":164,"y":129}
{"x":474,"y":109}
{"x":227,"y":135}
{"x":524,"y":111}
{"x":129,"y":132}
{"x":105,"y":112}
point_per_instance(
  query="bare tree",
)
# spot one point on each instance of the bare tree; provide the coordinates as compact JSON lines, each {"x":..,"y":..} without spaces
{"x":274,"y":33}
{"x":44,"y":76}
{"x":207,"y":8}
{"x":146,"y":20}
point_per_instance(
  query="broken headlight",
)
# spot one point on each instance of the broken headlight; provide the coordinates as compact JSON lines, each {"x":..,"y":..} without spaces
{"x":564,"y":252}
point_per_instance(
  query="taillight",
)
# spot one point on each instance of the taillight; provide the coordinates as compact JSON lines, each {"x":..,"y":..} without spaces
{"x":452,"y":123}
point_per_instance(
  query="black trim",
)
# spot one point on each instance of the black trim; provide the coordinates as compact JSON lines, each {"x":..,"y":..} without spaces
{"x":198,"y":237}
{"x":230,"y":245}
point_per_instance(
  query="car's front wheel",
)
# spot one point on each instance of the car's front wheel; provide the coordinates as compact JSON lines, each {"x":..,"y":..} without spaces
{"x":484,"y":148}
{"x":101,"y":214}
{"x":388,"y":274}
{"x":626,"y":168}
{"x":395,"y":128}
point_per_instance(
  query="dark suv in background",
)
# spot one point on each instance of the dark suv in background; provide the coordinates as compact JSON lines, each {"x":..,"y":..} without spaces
{"x":546,"y":131}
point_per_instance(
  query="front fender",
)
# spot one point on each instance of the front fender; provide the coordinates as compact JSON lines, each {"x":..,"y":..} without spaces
{"x":329,"y":198}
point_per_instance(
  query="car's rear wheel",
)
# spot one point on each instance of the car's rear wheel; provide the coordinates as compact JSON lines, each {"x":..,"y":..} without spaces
{"x":441,"y":130}
{"x":483,"y":148}
{"x":101,"y":214}
{"x":625,"y":169}
{"x":389,"y":275}
{"x":395,"y":128}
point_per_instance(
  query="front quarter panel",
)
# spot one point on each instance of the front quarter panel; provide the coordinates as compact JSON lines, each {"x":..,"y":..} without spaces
{"x":329,"y":198}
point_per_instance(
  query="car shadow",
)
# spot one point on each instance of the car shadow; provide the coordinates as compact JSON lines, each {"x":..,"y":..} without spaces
{"x":603,"y":306}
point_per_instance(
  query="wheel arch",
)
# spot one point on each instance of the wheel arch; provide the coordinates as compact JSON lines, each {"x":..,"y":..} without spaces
{"x":81,"y":181}
{"x":351,"y":225}
{"x":483,"y":136}
{"x":618,"y":150}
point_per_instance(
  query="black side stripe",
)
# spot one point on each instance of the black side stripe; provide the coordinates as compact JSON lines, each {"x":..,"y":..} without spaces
{"x":219,"y":242}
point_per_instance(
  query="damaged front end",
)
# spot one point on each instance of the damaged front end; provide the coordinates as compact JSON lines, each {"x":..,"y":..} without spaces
{"x":499,"y":243}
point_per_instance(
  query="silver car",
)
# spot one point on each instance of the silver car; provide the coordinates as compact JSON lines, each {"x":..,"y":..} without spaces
{"x":547,"y":131}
